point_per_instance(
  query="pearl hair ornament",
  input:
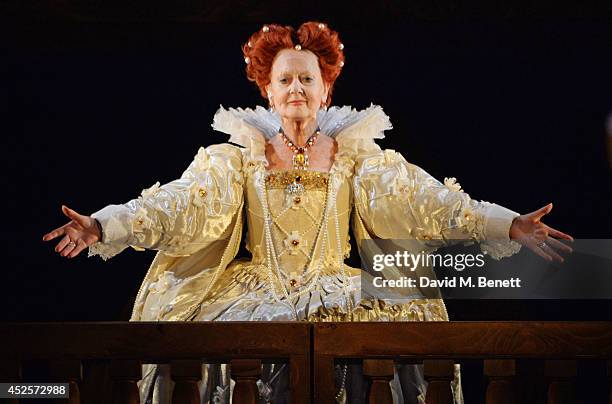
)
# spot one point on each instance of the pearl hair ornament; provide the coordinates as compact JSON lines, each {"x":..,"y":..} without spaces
{"x":297,"y":47}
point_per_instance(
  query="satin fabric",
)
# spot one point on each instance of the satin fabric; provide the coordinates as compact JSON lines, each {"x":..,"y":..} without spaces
{"x":196,"y":224}
{"x":242,"y":293}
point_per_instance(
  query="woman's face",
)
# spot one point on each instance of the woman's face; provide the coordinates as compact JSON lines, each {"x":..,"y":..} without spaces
{"x":296,"y":85}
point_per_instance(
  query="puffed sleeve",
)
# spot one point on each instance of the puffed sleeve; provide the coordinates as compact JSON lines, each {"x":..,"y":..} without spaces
{"x":399,"y":200}
{"x":179,"y":217}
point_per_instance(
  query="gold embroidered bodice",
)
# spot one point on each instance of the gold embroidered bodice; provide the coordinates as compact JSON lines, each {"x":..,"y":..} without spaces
{"x":302,"y":243}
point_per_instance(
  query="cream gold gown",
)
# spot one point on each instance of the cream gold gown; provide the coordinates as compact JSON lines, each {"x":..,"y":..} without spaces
{"x":298,"y":229}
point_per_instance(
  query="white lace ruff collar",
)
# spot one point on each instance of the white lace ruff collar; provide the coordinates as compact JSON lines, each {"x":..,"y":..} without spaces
{"x":354,"y":130}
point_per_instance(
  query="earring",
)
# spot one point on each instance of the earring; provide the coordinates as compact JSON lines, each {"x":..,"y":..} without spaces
{"x":324,"y":103}
{"x":270,"y":101}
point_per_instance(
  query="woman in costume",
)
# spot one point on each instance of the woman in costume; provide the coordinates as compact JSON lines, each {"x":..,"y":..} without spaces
{"x":302,"y":171}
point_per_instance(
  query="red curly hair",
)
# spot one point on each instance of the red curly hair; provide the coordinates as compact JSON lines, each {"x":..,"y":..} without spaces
{"x":263,"y":46}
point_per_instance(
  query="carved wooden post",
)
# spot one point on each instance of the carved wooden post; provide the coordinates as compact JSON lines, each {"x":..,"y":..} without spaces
{"x":186,"y":374}
{"x":299,"y":379}
{"x":561,"y":375}
{"x":502,"y":384}
{"x":10,"y":371}
{"x":96,"y":386}
{"x":379,"y":373}
{"x":124,"y":375}
{"x":245,"y":373}
{"x":324,"y":382}
{"x":68,"y":371}
{"x":439,"y":374}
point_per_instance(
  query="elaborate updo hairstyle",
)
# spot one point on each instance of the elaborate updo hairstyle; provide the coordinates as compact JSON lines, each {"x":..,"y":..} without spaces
{"x":263,"y":46}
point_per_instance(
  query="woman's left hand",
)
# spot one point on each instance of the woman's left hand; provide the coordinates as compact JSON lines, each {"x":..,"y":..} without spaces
{"x":529,"y":231}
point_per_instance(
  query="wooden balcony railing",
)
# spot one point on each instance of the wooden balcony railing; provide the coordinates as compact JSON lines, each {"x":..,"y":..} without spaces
{"x":514,"y":354}
{"x":555,"y":345}
{"x":184,"y":345}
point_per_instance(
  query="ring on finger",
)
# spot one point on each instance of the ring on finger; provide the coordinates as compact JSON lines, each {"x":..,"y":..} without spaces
{"x":542,"y":244}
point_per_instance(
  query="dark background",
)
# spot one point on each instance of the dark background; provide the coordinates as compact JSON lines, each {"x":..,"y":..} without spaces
{"x":100,"y":100}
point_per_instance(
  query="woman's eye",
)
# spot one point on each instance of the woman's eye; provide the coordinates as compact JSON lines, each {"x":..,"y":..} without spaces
{"x":283,"y":80}
{"x":307,"y":79}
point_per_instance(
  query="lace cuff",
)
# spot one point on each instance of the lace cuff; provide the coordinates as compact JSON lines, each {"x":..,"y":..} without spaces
{"x":115,"y":232}
{"x":497,"y":243}
{"x":500,"y":249}
{"x":105,"y":251}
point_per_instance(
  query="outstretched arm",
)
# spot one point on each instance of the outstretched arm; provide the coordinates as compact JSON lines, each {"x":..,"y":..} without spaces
{"x":179,"y":217}
{"x":397,"y":199}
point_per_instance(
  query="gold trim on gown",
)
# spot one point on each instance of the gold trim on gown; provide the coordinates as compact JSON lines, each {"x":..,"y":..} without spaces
{"x":296,"y":271}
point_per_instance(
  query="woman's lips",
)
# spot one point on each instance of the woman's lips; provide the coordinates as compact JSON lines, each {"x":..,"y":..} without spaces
{"x":297,"y":102}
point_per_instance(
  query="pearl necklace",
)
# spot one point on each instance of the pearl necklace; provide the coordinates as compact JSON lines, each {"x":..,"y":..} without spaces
{"x":271,"y":256}
{"x":339,"y":396}
{"x":345,"y":279}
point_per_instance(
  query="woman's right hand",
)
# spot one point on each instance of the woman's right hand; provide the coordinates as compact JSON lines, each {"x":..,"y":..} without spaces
{"x":81,"y":232}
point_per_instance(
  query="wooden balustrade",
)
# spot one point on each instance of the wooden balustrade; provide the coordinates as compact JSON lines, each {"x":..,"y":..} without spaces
{"x":186,"y":374}
{"x":561,"y":375}
{"x":502,"y":386}
{"x":182,"y":345}
{"x":439,"y":344}
{"x":516,"y":357}
{"x":246,"y":373}
{"x":124,"y":376}
{"x":69,"y":371}
{"x":378,"y":373}
{"x":439,"y":374}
